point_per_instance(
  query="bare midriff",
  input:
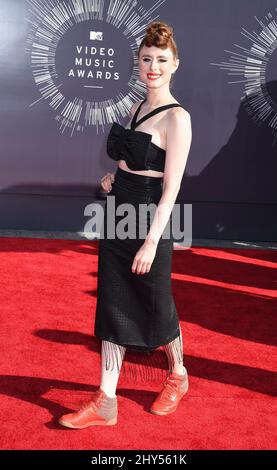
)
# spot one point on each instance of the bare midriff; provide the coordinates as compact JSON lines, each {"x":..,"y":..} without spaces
{"x":122,"y":164}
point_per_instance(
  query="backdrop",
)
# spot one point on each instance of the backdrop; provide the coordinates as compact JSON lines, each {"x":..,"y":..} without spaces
{"x":68,"y":70}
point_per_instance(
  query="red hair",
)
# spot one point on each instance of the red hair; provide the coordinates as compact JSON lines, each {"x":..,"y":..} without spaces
{"x":159,"y":34}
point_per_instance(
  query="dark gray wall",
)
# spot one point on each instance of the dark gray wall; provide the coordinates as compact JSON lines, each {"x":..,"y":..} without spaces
{"x":50,"y":166}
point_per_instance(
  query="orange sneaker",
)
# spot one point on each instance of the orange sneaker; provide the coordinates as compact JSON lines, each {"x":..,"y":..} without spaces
{"x":101,"y":410}
{"x":174,"y":388}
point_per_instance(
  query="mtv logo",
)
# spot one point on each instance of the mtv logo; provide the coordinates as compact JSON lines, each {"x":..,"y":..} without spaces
{"x":96,"y":36}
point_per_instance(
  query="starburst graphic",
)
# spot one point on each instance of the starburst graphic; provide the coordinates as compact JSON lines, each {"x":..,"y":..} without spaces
{"x":251,"y":65}
{"x":53,"y":20}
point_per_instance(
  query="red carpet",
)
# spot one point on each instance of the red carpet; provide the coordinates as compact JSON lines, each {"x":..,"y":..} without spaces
{"x":226,"y":299}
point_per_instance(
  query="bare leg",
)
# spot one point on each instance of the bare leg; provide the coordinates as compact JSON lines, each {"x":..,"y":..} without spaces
{"x":112,"y":356}
{"x":174,"y":352}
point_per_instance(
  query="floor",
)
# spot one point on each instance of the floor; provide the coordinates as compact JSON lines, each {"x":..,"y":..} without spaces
{"x":269,"y":245}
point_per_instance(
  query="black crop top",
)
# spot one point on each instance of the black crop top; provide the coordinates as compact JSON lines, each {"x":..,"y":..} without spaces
{"x":135,"y":147}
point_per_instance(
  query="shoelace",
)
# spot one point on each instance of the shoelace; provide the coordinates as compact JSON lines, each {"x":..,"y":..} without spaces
{"x":168,"y":383}
{"x":88,"y":404}
{"x":91,"y":403}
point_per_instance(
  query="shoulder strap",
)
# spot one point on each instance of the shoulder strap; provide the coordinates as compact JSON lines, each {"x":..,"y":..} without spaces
{"x":134,"y":122}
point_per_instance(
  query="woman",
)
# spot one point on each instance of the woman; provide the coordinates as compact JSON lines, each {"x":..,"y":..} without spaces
{"x":135,"y":308}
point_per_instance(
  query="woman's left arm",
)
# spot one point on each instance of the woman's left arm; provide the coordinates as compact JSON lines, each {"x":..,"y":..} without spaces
{"x":179,"y":136}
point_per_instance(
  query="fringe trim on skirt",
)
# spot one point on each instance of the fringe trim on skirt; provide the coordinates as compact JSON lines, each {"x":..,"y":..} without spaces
{"x":142,"y":366}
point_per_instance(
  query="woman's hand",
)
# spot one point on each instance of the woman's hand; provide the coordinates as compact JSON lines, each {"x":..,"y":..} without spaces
{"x":107,"y":181}
{"x":144,"y":258}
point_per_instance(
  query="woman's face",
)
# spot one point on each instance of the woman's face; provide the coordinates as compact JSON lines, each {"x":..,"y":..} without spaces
{"x":156,"y":66}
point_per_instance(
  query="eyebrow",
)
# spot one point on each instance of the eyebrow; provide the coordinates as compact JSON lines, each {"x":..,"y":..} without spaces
{"x":163,"y":56}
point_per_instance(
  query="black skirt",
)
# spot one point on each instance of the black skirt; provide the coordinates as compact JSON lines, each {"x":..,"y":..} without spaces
{"x":136,"y":311}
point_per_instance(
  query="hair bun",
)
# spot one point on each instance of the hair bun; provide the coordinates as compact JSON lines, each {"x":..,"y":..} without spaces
{"x":159,"y":28}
